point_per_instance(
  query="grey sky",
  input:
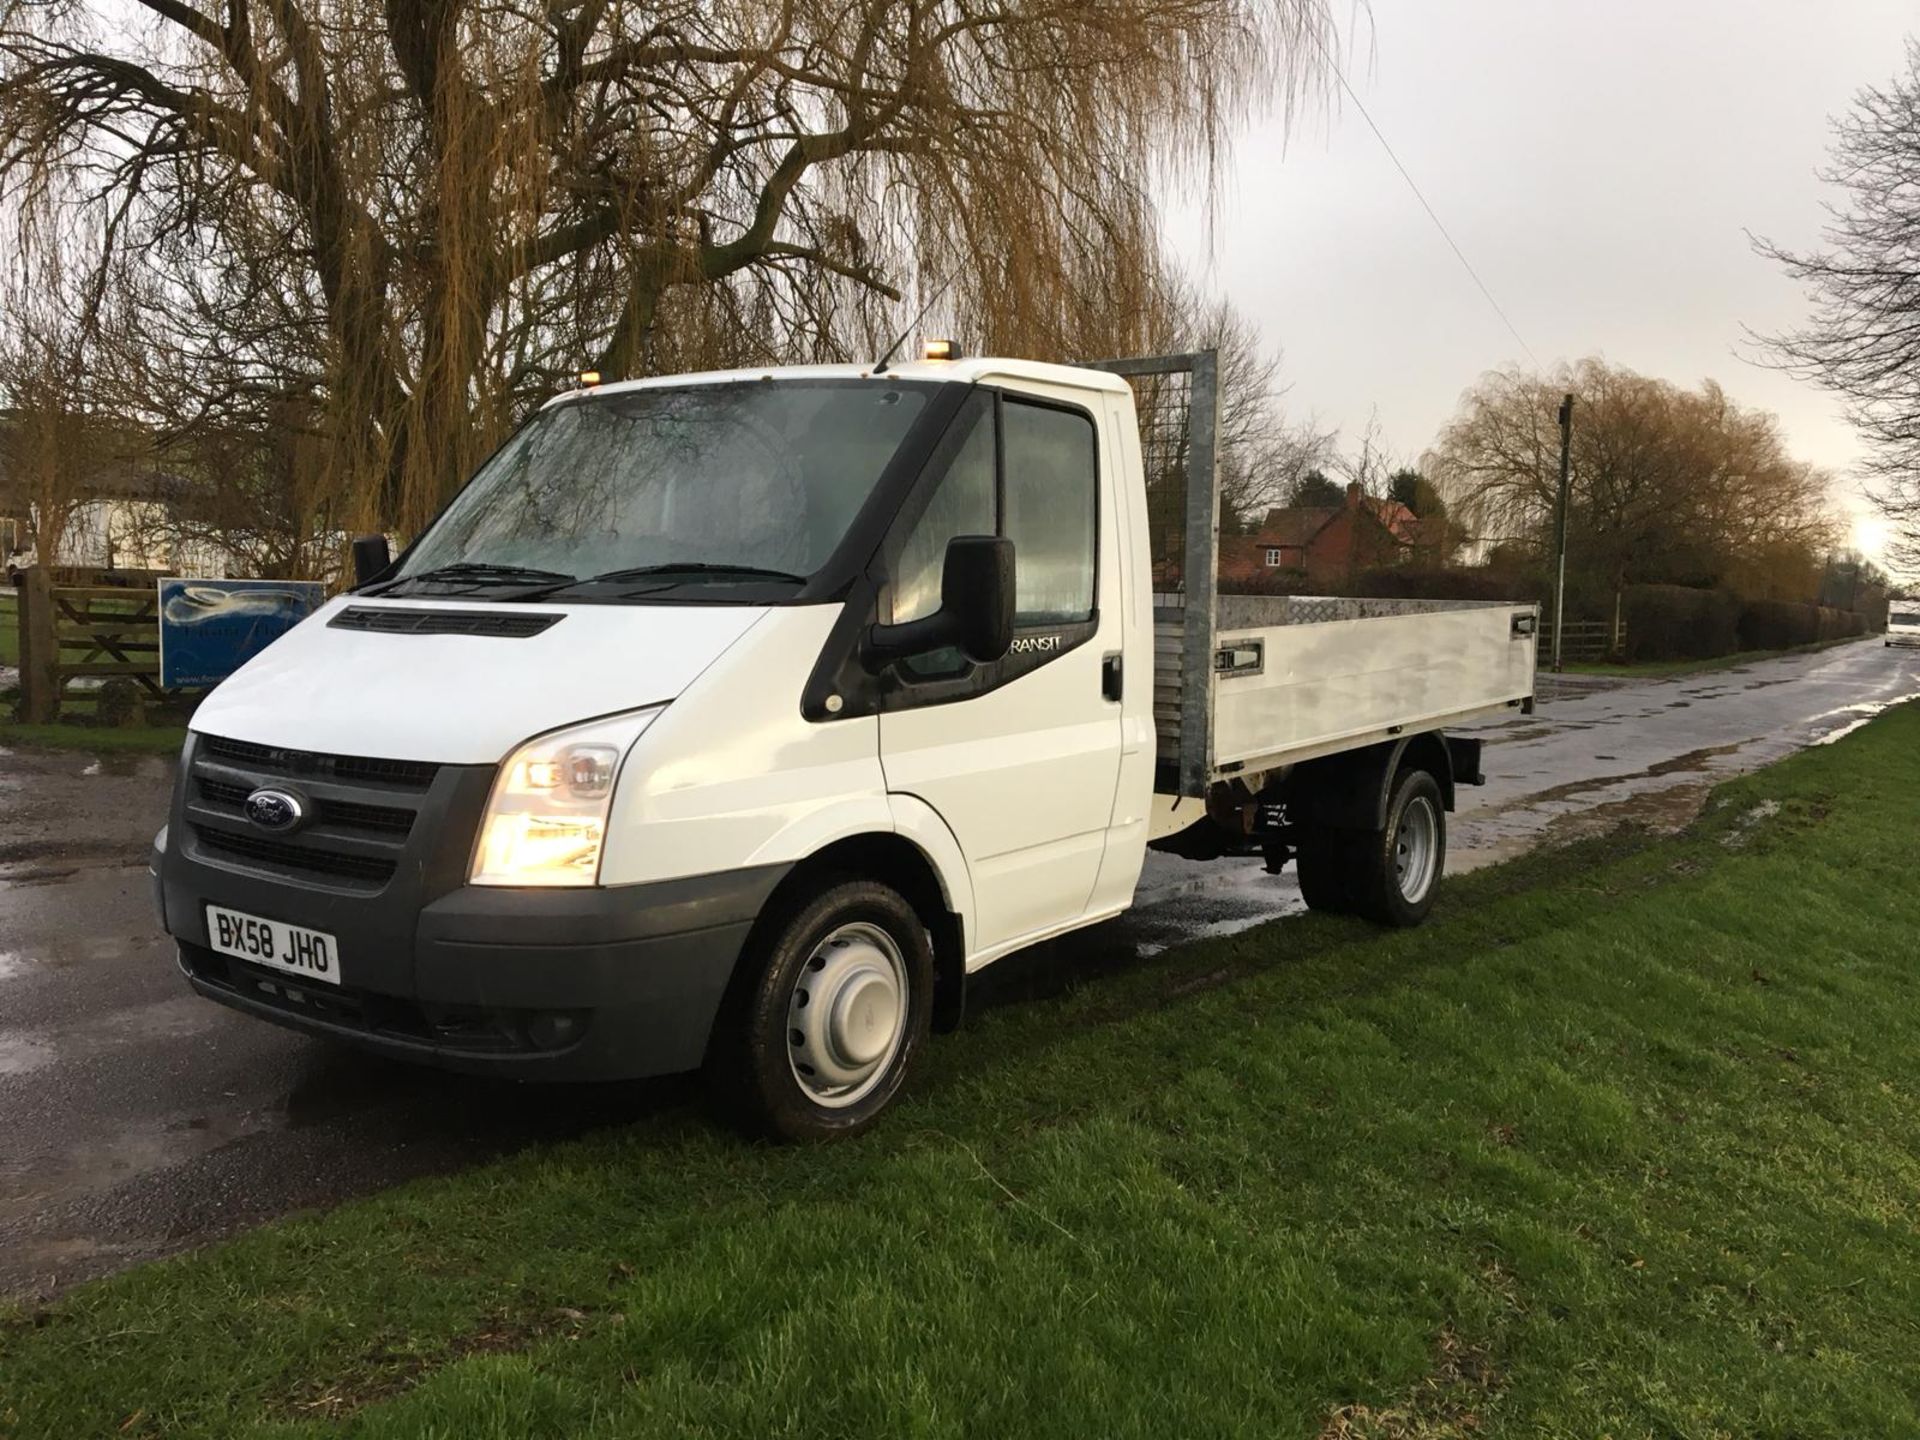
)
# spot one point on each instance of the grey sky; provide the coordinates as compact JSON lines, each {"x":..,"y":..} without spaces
{"x":1600,"y":165}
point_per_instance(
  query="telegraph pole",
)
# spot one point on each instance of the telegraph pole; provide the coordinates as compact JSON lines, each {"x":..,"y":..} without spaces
{"x":1560,"y":528}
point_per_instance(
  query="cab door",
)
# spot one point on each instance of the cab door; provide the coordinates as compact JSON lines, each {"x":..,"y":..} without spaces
{"x":1020,"y":757}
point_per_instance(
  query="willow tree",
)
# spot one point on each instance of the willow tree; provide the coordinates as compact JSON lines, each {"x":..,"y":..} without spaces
{"x":1668,"y":484}
{"x":407,"y":220}
{"x":59,"y":436}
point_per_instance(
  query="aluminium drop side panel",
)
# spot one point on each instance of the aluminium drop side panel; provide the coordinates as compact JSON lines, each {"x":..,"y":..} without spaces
{"x":1325,"y":687}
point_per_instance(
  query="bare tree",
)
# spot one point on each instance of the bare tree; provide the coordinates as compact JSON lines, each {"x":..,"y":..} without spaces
{"x":1262,"y":453}
{"x":1863,"y":340}
{"x":406,"y":221}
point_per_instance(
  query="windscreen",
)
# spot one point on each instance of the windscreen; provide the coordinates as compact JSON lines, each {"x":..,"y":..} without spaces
{"x":1904,"y":617}
{"x":762,"y":475}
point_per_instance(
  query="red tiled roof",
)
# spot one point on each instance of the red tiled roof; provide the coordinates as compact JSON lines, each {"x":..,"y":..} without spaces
{"x":1295,"y":525}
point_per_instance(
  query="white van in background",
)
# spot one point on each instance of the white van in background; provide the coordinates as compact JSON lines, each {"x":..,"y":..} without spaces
{"x":1903,"y":623}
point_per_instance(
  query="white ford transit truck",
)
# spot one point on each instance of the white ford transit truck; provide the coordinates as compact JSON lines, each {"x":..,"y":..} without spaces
{"x":733,"y":720}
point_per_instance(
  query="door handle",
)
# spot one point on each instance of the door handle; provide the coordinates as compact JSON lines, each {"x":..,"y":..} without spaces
{"x":1112,"y":678}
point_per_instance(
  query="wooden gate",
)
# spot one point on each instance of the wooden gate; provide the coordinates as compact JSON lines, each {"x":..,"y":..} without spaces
{"x":73,"y":632}
{"x":1592,"y":640}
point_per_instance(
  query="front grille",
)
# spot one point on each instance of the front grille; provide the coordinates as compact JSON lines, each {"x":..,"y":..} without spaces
{"x":275,"y":761}
{"x":279,"y":855}
{"x":360,"y":812}
{"x":350,"y":814}
{"x":501,"y":624}
{"x":357,"y":816}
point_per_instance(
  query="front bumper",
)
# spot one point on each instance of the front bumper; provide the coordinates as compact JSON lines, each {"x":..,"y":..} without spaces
{"x":548,"y":984}
{"x":1905,"y":642}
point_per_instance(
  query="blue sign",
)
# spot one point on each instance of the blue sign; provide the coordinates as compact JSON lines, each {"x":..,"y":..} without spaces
{"x":210,"y":628}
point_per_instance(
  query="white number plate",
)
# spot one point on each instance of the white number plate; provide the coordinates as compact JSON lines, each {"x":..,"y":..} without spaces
{"x":274,"y":943}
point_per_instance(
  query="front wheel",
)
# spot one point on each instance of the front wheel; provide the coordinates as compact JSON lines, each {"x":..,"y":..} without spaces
{"x":832,"y":1008}
{"x":1405,"y":859}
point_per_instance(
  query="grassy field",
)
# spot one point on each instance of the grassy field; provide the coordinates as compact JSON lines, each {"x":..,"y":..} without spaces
{"x":9,"y":626}
{"x":154,"y":739}
{"x":1626,"y":1142}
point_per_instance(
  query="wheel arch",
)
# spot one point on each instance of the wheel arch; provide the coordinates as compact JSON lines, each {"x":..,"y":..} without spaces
{"x":1351,"y":790}
{"x":894,"y":860}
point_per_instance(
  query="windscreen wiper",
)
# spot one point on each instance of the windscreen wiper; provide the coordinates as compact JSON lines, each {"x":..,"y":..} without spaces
{"x":475,"y":573}
{"x":486,"y":570}
{"x":691,"y":567}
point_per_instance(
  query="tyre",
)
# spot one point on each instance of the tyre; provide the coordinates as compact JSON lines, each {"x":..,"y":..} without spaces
{"x":1403,"y":863}
{"x":1328,"y":864}
{"x":829,"y":1010}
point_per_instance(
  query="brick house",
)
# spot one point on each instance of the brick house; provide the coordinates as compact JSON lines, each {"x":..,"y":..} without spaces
{"x":1324,"y":543}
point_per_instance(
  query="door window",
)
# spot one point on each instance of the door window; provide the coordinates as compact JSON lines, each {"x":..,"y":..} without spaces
{"x":1050,"y":483}
{"x":961,"y":504}
{"x":1044,"y":503}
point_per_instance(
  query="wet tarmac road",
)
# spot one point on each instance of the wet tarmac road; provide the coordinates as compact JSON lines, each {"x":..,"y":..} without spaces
{"x":137,"y":1119}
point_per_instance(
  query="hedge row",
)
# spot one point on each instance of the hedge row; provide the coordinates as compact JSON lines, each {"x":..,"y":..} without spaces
{"x":1677,"y":622}
{"x":1673,"y":622}
{"x":1777,"y":624}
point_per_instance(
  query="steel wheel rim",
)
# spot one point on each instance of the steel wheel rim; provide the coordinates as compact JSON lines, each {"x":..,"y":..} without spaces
{"x":847,"y":1015}
{"x":1416,"y":849}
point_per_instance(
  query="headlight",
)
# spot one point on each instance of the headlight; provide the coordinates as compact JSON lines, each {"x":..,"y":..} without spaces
{"x":547,"y":815}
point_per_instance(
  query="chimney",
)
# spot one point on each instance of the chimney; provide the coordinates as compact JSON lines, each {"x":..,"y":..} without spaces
{"x":1353,"y":495}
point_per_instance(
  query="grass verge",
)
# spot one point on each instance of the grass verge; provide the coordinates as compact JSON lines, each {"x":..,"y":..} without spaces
{"x":1659,"y":669}
{"x":155,"y":740}
{"x":1623,"y":1142}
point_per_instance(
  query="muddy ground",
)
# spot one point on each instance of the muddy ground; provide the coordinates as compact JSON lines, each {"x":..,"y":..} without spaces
{"x":137,"y":1119}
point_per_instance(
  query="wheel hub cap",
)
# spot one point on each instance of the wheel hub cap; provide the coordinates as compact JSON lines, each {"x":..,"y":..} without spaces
{"x":1415,"y":850}
{"x":847,"y":1015}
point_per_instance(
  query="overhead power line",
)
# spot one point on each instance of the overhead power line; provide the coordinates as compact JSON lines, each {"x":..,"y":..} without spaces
{"x":1432,"y":214}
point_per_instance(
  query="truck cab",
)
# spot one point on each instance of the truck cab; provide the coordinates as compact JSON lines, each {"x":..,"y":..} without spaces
{"x":729,"y":721}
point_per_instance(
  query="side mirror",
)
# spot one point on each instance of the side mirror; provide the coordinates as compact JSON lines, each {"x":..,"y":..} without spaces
{"x":976,"y":606}
{"x":371,"y":558}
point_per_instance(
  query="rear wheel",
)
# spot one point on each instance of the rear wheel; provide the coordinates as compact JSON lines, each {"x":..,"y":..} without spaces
{"x":829,"y":1014}
{"x":1328,"y":864}
{"x":1404,"y":861}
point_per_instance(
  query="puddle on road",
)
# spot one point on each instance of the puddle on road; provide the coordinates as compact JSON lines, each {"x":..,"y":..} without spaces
{"x":98,"y":1164}
{"x":22,"y":1054}
{"x":1532,"y":732}
{"x":1662,"y":811}
{"x":123,"y":766}
{"x":1693,"y":759}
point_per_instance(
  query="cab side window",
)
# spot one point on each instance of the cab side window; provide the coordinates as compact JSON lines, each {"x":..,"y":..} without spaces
{"x":1050,"y":497}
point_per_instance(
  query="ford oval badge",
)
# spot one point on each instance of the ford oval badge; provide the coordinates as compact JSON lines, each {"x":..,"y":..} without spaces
{"x":275,"y":809}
